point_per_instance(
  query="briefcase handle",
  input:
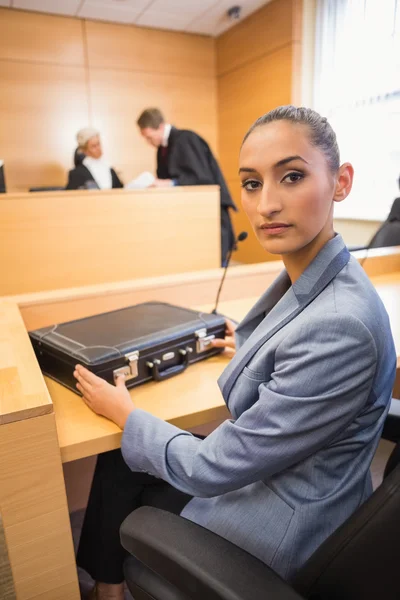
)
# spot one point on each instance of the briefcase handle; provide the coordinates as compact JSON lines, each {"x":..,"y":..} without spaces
{"x":172,"y":371}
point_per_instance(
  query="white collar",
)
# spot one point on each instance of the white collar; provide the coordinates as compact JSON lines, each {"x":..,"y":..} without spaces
{"x":100,"y":171}
{"x":167,"y":131}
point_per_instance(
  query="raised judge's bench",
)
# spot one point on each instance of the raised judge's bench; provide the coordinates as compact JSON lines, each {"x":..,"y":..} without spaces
{"x":42,"y":426}
{"x":54,"y":240}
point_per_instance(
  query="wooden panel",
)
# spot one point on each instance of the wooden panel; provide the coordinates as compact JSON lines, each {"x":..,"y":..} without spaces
{"x":258,"y":70}
{"x":34,"y":37}
{"x":255,"y":90}
{"x":297,"y":19}
{"x":262,"y":33}
{"x":296,"y":98}
{"x":23,"y":394}
{"x":42,"y":106}
{"x":34,"y":509}
{"x":78,"y":475}
{"x":67,"y":239}
{"x":118,"y":97}
{"x":185,"y":289}
{"x":55,"y":69}
{"x":7,"y":590}
{"x":149,"y":50}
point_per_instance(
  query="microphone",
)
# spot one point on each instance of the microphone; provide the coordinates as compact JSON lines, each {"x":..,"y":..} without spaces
{"x":240,"y":238}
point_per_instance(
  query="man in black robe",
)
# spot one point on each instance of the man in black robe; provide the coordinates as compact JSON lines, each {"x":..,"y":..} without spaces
{"x":184,"y":158}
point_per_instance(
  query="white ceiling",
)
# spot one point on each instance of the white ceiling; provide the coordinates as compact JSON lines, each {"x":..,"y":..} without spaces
{"x":196,"y":16}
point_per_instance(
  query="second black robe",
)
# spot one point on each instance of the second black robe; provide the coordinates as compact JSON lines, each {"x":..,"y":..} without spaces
{"x":188,"y":160}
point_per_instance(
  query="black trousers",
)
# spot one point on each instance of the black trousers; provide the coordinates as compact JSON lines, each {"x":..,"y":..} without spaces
{"x":117,"y":491}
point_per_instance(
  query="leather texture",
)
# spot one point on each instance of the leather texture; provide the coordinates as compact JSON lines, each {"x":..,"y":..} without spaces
{"x":173,"y":555}
{"x":359,"y":561}
{"x":102,"y":342}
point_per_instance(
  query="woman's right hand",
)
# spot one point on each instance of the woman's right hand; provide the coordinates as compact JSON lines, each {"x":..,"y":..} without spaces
{"x":228,"y":342}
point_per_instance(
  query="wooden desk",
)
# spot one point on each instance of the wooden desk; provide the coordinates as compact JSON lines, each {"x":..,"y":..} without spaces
{"x":32,"y":494}
{"x":33,"y":503}
{"x":187,"y":401}
{"x":54,"y":240}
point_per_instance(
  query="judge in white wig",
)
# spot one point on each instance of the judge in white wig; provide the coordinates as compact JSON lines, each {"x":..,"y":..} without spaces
{"x":94,"y":172}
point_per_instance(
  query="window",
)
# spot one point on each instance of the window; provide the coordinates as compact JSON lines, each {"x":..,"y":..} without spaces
{"x":357,"y":86}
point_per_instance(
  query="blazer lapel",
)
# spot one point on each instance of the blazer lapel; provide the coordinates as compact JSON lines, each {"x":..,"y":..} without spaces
{"x":258,"y":326}
{"x":326,"y":265}
{"x":264,"y":305}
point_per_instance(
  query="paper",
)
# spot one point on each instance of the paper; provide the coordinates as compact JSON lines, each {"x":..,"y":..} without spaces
{"x":144,"y":180}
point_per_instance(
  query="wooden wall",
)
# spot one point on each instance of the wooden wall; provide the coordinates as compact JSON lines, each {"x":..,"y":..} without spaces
{"x":59,"y":74}
{"x":258,"y":68}
{"x":55,"y":240}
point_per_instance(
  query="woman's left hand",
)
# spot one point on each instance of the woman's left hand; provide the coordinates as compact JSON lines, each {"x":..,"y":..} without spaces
{"x":110,"y":401}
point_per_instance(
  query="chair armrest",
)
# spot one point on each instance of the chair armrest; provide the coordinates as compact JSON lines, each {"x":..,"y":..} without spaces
{"x":391,"y":427}
{"x":197,"y":562}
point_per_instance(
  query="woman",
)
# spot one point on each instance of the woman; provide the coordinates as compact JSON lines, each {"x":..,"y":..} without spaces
{"x":91,"y":171}
{"x":308,"y":387}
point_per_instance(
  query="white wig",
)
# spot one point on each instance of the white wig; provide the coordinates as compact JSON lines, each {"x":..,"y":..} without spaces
{"x":85,"y":134}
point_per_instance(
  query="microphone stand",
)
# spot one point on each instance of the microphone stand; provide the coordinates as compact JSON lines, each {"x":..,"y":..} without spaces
{"x":240,"y":238}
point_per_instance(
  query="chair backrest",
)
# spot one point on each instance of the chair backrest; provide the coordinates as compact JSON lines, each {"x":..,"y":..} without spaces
{"x":78,"y":157}
{"x":387,"y":235}
{"x":389,"y":232}
{"x":360,"y":560}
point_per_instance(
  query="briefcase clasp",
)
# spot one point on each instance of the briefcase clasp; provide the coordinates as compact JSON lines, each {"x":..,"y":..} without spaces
{"x":130,"y":371}
{"x":203,"y":340}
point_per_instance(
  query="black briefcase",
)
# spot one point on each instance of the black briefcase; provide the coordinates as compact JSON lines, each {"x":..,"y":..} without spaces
{"x":150,"y":341}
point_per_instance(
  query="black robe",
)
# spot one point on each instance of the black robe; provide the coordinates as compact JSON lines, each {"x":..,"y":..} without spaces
{"x":81,"y":178}
{"x":189,"y":161}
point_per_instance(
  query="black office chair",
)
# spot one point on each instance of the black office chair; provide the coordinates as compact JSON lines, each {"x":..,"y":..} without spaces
{"x":389,"y":232}
{"x":175,"y":559}
{"x":78,"y":157}
{"x":391,"y":432}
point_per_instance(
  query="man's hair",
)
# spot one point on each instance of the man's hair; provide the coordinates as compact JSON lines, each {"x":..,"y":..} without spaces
{"x":151,"y":117}
{"x":320,"y":132}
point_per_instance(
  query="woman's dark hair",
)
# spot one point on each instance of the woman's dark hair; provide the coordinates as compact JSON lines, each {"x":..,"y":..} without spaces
{"x":321,"y":133}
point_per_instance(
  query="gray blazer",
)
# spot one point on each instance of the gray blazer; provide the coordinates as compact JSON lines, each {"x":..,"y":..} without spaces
{"x":308,"y":390}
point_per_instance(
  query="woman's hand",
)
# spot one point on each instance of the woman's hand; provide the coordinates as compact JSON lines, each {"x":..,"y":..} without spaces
{"x":110,"y":401}
{"x":229,"y":341}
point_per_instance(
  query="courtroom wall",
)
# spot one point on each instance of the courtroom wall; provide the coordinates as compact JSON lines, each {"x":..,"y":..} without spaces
{"x":258,"y":68}
{"x":58,"y":74}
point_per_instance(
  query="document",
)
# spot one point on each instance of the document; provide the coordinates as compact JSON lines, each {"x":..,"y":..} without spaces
{"x":144,"y":180}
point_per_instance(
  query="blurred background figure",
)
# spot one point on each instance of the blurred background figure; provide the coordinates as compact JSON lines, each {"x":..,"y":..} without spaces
{"x":184,"y":158}
{"x":91,"y":170}
{"x":389,"y":232}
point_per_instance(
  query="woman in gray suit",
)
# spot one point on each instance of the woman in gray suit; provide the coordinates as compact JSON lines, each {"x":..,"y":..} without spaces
{"x":308,"y":388}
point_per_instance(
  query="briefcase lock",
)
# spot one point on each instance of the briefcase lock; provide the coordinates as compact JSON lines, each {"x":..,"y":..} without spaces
{"x":130,"y":371}
{"x":203,"y":340}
